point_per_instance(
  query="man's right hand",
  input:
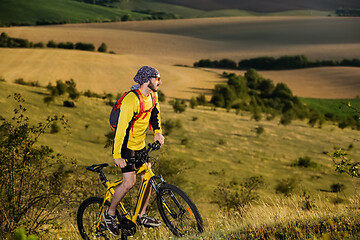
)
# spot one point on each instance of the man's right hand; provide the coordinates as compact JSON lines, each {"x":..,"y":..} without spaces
{"x":120,"y":162}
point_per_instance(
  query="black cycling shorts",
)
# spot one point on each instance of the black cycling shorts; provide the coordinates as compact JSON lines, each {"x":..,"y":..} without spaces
{"x":133,"y":159}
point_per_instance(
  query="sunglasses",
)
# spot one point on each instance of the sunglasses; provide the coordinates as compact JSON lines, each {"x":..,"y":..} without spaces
{"x":157,"y":78}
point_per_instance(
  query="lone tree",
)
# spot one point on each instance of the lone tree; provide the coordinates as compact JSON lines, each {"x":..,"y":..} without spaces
{"x":102,"y":48}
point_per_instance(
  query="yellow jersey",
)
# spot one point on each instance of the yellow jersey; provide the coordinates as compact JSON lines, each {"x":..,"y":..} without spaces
{"x":130,"y":134}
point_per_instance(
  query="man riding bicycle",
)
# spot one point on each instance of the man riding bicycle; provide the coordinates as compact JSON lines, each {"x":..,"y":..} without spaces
{"x":129,"y":141}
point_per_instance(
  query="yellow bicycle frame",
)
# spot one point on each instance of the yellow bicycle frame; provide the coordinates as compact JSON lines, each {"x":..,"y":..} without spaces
{"x":110,"y":190}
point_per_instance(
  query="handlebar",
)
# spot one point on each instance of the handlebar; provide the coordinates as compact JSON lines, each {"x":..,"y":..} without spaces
{"x":153,"y":146}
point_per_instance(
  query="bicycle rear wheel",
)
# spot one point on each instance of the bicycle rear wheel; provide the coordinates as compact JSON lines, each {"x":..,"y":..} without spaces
{"x":87,"y":218}
{"x":178,"y":212}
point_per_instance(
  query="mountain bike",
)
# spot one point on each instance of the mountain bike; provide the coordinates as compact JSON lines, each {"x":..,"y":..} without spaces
{"x":176,"y":209}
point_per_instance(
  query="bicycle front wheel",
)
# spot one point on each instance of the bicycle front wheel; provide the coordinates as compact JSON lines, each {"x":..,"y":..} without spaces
{"x":178,"y":212}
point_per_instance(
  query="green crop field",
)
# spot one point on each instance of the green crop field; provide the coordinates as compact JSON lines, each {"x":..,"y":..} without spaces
{"x":338,"y":107}
{"x":211,"y":148}
{"x":29,"y":12}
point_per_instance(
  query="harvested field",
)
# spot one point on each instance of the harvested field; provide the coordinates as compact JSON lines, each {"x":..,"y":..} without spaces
{"x":166,"y":43}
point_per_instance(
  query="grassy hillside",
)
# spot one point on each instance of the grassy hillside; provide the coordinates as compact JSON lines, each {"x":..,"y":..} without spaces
{"x":211,"y":148}
{"x":21,"y":12}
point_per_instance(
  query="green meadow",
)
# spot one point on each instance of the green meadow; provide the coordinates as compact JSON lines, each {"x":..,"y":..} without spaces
{"x":22,"y":12}
{"x":29,"y":12}
{"x":337,"y":107}
{"x":211,"y":148}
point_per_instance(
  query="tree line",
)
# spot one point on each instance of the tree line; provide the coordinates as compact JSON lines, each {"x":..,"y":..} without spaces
{"x":271,"y":63}
{"x":348,"y":12}
{"x":10,"y":42}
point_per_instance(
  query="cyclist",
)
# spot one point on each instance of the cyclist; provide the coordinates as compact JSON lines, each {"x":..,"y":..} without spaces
{"x":129,"y":142}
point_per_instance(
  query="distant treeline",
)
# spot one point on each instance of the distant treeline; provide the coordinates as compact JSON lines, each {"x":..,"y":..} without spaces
{"x":9,"y":42}
{"x":98,"y":2}
{"x":158,"y":15}
{"x":348,"y":12}
{"x":271,"y":63}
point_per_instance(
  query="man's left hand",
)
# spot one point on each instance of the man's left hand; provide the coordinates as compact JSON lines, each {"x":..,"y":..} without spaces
{"x":159,"y":137}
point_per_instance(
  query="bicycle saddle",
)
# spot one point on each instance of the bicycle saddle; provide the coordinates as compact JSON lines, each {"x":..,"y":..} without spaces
{"x":97,"y":167}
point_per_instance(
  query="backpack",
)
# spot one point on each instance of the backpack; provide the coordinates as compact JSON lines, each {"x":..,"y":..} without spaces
{"x":115,"y":112}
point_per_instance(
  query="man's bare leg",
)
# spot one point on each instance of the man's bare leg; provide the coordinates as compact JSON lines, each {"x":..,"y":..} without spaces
{"x":129,"y":180}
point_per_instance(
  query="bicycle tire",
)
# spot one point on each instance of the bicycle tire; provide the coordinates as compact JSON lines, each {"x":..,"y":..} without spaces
{"x":87,"y":216}
{"x":178,"y":211}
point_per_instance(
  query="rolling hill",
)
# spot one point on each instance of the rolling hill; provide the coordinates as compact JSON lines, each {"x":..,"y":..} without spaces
{"x":39,"y":12}
{"x":164,"y":44}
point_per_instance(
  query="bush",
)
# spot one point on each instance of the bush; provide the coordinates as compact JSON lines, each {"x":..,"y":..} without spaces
{"x":161,"y":96}
{"x":32,"y":177}
{"x":179,"y":106}
{"x":193,"y":103}
{"x":337,"y":187}
{"x":286,"y":186}
{"x":49,"y":99}
{"x":70,"y":104}
{"x":85,"y":46}
{"x":102,"y":48}
{"x":20,"y":81}
{"x":60,"y":88}
{"x":66,"y":45}
{"x":235,"y":196}
{"x":39,"y":45}
{"x":51,"y":44}
{"x":109,"y":139}
{"x":54,"y":128}
{"x":169,"y":125}
{"x":305,"y":162}
{"x":259,"y":131}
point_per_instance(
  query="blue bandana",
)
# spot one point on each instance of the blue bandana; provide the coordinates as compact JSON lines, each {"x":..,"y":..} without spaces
{"x":145,"y":74}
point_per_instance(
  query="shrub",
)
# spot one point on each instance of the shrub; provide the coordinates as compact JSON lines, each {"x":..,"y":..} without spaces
{"x":236,"y":196}
{"x":51,"y":44}
{"x":337,"y":187}
{"x":193,"y":102}
{"x":286,"y":186}
{"x":169,"y":125}
{"x":66,"y":45}
{"x":49,"y":99}
{"x":54,"y":128}
{"x":60,"y":88}
{"x":32,"y":177}
{"x":179,"y":106}
{"x":39,"y":45}
{"x":184,"y":141}
{"x":85,"y":46}
{"x":109,"y":139}
{"x":20,"y":81}
{"x":102,"y":48}
{"x":201,"y":99}
{"x":70,"y":104}
{"x":305,"y":162}
{"x":259,"y":131}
